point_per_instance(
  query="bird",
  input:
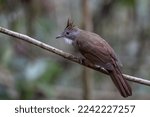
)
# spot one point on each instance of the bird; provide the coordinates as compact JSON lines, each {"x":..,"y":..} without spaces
{"x":98,"y":52}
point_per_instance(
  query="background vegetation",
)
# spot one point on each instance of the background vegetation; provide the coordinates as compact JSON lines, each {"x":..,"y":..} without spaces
{"x":28,"y":72}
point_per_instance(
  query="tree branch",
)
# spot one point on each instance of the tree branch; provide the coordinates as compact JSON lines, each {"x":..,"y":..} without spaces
{"x":67,"y":55}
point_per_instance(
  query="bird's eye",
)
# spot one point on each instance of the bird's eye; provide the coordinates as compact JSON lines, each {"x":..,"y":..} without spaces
{"x":67,"y":33}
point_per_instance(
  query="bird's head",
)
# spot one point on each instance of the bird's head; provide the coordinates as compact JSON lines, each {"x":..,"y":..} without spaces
{"x":70,"y":32}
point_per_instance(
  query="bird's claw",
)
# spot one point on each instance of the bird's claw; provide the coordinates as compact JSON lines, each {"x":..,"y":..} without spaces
{"x":81,"y":60}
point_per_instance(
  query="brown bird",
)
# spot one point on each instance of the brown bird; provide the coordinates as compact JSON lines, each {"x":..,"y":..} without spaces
{"x":97,"y":51}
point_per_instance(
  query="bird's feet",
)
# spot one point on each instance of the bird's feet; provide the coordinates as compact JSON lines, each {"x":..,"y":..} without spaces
{"x":81,"y":60}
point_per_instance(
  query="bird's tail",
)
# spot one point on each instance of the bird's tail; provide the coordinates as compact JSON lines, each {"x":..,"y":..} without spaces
{"x":120,"y":82}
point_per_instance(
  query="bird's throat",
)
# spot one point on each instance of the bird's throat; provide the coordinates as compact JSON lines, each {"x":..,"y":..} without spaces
{"x":68,"y":41}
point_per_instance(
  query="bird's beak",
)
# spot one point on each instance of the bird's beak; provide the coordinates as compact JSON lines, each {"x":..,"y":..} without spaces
{"x":59,"y":36}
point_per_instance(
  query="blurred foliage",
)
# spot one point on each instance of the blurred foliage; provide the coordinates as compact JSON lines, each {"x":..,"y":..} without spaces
{"x":50,"y":74}
{"x":28,"y":72}
{"x":2,"y":2}
{"x":128,"y":3}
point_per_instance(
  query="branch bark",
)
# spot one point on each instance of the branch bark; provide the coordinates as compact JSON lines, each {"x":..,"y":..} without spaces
{"x":67,"y":55}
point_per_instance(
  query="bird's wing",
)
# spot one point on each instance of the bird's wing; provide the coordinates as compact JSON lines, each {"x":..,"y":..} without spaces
{"x":97,"y":51}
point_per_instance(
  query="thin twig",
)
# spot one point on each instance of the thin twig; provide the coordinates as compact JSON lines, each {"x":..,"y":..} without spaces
{"x":67,"y":55}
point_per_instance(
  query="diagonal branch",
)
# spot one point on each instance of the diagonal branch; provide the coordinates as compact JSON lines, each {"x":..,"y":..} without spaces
{"x":67,"y":55}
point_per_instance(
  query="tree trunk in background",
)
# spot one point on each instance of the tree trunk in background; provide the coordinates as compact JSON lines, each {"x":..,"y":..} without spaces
{"x":30,"y":13}
{"x":87,"y":74}
{"x":31,"y":10}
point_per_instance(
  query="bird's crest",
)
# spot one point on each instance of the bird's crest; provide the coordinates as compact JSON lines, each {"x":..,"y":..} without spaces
{"x":70,"y":24}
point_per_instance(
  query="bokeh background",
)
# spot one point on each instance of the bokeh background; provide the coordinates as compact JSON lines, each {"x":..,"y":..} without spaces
{"x":29,"y":72}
